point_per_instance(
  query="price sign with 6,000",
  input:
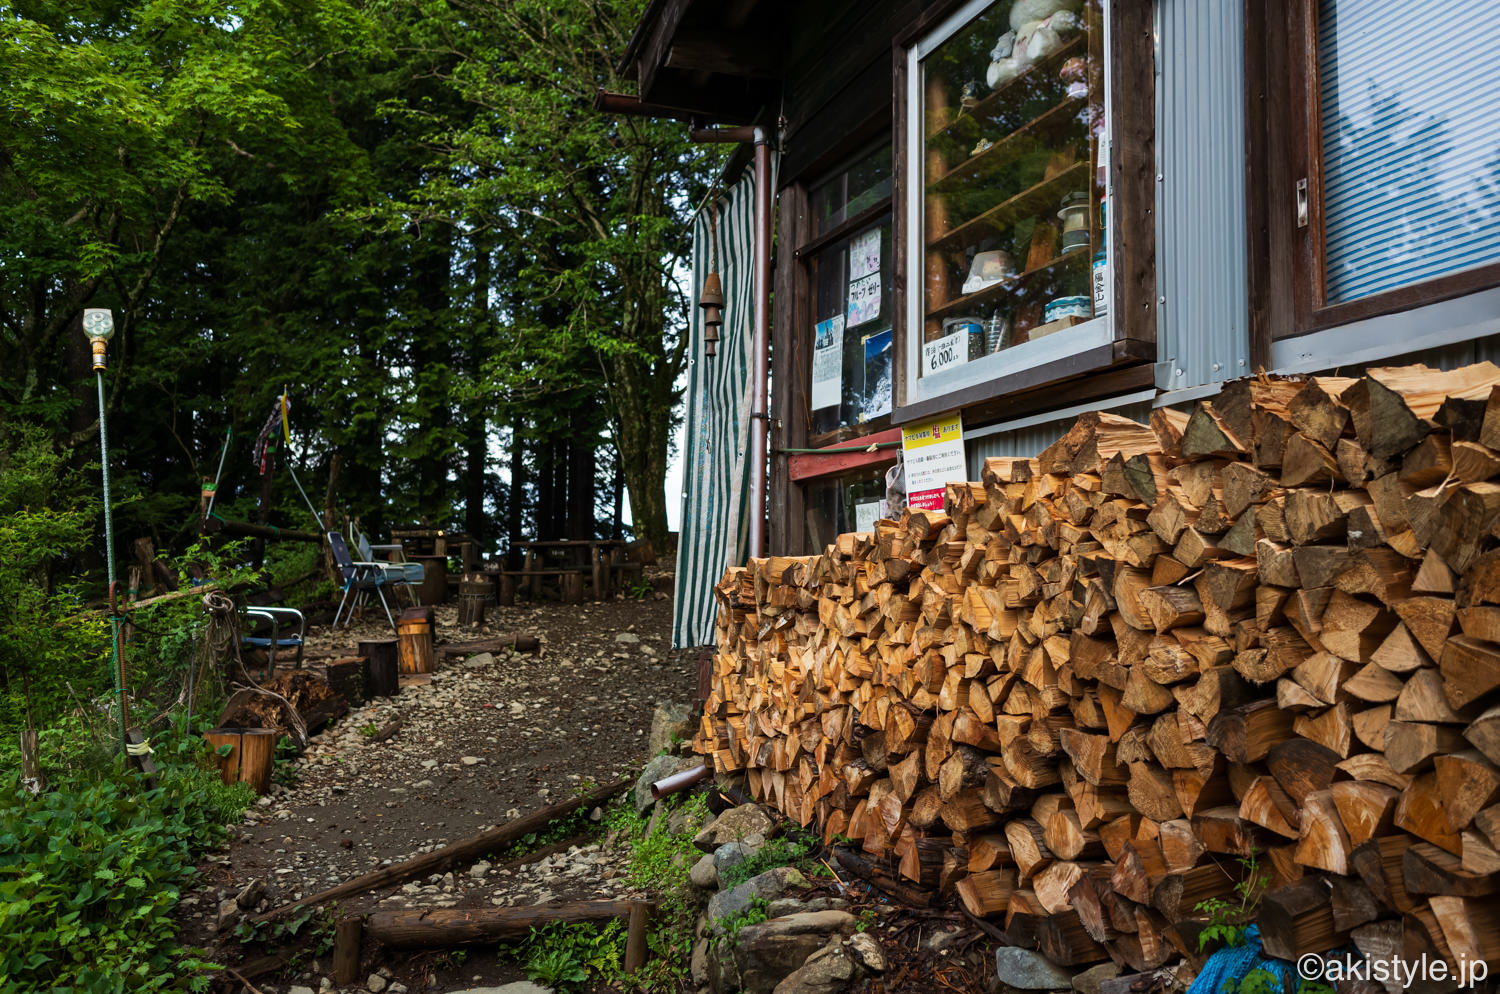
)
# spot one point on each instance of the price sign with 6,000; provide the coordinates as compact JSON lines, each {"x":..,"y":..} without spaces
{"x":950,"y":350}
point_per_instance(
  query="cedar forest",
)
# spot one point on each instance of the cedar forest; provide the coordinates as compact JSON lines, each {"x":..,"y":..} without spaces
{"x":407,"y":216}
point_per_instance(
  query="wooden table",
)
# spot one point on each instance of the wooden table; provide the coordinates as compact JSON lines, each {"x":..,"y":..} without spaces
{"x":569,"y":556}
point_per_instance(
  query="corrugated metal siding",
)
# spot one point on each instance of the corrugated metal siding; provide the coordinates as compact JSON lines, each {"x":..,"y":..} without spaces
{"x":1031,"y":440}
{"x":1203,"y":311}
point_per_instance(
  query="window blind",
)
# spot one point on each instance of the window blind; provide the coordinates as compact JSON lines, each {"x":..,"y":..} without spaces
{"x":1410,"y":103}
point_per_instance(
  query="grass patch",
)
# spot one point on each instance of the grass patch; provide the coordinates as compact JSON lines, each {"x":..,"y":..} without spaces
{"x":566,"y":956}
{"x":556,"y":830}
{"x":800,"y":851}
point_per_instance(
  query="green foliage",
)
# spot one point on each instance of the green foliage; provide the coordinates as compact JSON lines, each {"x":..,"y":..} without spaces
{"x":284,"y":766}
{"x":47,"y":515}
{"x":317,"y":926}
{"x":660,"y":863}
{"x":562,"y":956}
{"x":90,"y":874}
{"x":1265,"y":980}
{"x":780,"y":851}
{"x":1228,"y":920}
{"x":730,"y":926}
{"x":866,"y":921}
{"x":640,"y":589}
{"x":555,"y":830}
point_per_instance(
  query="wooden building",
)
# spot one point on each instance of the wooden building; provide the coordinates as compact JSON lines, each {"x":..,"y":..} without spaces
{"x":1023,"y":209}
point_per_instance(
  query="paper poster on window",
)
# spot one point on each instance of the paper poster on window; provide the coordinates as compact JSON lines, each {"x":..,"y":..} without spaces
{"x":828,"y":362}
{"x":877,"y":393}
{"x":865,"y":516}
{"x":864,"y":255}
{"x":933,"y":452}
{"x":864,"y":300}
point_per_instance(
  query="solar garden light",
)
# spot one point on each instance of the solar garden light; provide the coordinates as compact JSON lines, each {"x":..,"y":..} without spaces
{"x":99,"y":326}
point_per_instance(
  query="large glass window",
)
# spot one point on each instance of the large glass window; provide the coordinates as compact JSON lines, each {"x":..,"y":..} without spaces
{"x":1410,"y":122}
{"x":1008,"y":119}
{"x":850,"y":278}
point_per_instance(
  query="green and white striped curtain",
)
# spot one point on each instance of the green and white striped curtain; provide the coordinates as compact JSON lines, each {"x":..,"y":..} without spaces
{"x":716,"y":473}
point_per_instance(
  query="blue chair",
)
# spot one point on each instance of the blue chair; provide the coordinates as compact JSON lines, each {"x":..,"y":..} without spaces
{"x":360,"y":580}
{"x":400,"y":574}
{"x":275,"y":622}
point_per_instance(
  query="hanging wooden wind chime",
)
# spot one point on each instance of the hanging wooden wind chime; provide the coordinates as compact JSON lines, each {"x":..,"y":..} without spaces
{"x":711,"y":298}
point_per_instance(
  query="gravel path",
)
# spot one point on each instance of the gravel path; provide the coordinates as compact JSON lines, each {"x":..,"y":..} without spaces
{"x":489,"y":739}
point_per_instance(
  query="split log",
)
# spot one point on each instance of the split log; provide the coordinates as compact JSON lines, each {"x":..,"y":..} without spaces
{"x":446,"y":928}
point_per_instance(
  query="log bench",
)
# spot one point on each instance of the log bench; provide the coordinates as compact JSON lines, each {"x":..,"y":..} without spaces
{"x":569,"y":583}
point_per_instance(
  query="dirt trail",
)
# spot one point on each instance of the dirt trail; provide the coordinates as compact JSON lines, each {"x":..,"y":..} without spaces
{"x":482,"y":744}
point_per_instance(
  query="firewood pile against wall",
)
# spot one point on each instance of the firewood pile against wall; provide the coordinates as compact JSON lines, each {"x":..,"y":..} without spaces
{"x":1076,"y":701}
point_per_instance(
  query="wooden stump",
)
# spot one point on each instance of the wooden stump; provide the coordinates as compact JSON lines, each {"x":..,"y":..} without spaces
{"x":347,"y":937}
{"x":507,"y":590}
{"x":32,"y":777}
{"x":639,"y":927}
{"x":257,"y":754}
{"x":572,"y":588}
{"x":383,"y":669}
{"x":229,"y":766}
{"x":473,"y":592}
{"x":415,"y":654}
{"x":251,"y":754}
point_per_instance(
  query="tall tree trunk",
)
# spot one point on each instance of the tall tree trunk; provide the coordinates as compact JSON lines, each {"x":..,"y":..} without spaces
{"x":515,"y":504}
{"x":618,"y":485}
{"x":476,"y":434}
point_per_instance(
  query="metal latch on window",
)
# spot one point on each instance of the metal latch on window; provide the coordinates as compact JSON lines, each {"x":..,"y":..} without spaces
{"x":1302,"y":202}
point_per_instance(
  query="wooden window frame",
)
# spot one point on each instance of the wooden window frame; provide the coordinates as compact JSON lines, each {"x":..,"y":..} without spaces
{"x":1132,"y":173}
{"x":1281,"y":70}
{"x":802,"y":313}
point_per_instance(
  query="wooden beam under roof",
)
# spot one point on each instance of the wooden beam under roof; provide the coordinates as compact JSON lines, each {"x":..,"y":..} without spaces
{"x":724,"y":53}
{"x":654,"y":54}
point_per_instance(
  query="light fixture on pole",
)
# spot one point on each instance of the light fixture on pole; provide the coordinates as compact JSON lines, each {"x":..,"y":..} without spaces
{"x":99,"y":326}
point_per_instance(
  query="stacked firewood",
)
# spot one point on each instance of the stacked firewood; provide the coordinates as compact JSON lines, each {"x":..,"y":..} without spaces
{"x":1250,"y":647}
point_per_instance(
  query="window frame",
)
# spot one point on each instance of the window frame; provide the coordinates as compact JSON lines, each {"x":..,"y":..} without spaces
{"x":805,"y":315}
{"x":1127,"y":334}
{"x":1282,"y":70}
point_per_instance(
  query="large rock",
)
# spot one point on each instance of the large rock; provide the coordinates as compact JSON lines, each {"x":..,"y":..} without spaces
{"x":867,"y":950}
{"x":735,"y":825}
{"x":704,"y":874}
{"x":732,"y":854}
{"x":764,"y":954}
{"x":827,"y":971}
{"x":658,"y":768}
{"x":670,"y":724}
{"x":766,"y":886}
{"x":1026,"y":970}
{"x":518,"y":987}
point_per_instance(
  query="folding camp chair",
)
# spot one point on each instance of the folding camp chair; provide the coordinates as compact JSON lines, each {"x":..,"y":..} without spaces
{"x":360,"y":580}
{"x":271,"y":623}
{"x":400,"y":574}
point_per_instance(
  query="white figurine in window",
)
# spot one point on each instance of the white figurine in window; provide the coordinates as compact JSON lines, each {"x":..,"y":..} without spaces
{"x":1037,"y":29}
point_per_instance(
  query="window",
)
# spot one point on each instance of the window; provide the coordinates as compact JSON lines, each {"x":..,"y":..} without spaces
{"x":1008,"y":223}
{"x":1392,"y":181}
{"x":850,"y":261}
{"x":843,"y":504}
